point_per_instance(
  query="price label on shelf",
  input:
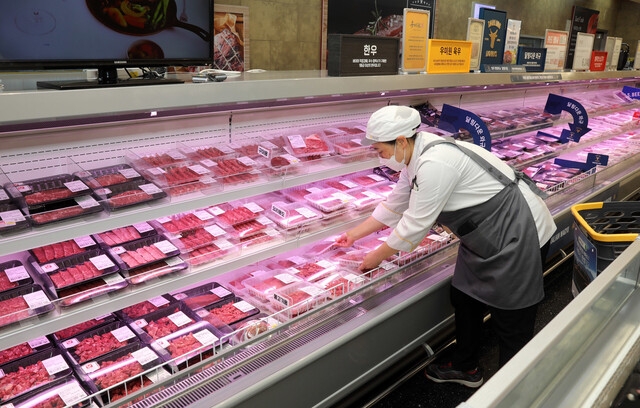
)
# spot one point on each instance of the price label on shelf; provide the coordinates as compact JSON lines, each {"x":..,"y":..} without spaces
{"x":144,"y":356}
{"x":297,"y":141}
{"x":348,"y":184}
{"x":354,"y":278}
{"x":253,"y":207}
{"x":86,"y":202}
{"x":159,"y":301}
{"x":298,"y":260}
{"x":371,"y":194}
{"x":123,"y":334}
{"x":164,"y":220}
{"x":225,"y":149}
{"x":143,"y":227}
{"x":286,"y":278}
{"x":158,"y":375}
{"x":90,"y":367}
{"x":199,"y":169}
{"x":176,"y":155}
{"x":12,"y":217}
{"x":55,"y":365}
{"x":180,"y":319}
{"x":246,"y":161}
{"x":216,"y":210}
{"x":140,"y":323}
{"x":23,"y":188}
{"x":71,"y":393}
{"x":129,"y":173}
{"x":36,"y":299}
{"x":202,"y":313}
{"x":293,"y":271}
{"x":150,"y":188}
{"x":264,"y":220}
{"x":40,"y":341}
{"x":113,"y":279}
{"x":76,"y":186}
{"x":203,"y":215}
{"x":174,"y":261}
{"x":70,"y":343}
{"x":118,"y":250}
{"x":16,"y":274}
{"x":50,"y":267}
{"x":163,"y":343}
{"x":223,"y":244}
{"x":3,"y":194}
{"x":209,"y":163}
{"x":264,"y":152}
{"x":205,"y":337}
{"x":306,"y":213}
{"x":85,"y":242}
{"x":220,"y":291}
{"x":343,"y":197}
{"x":102,"y":262}
{"x":215,"y":230}
{"x":244,"y":306}
{"x":166,"y":247}
{"x":325,"y":264}
{"x":312,"y":290}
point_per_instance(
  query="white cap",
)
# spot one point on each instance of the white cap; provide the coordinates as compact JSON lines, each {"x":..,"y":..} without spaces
{"x":388,"y":123}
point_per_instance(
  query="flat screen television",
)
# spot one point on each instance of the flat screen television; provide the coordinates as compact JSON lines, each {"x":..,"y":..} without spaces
{"x":104,"y":34}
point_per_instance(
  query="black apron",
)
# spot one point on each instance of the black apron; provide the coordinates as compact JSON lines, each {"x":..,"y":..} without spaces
{"x":499,"y":257}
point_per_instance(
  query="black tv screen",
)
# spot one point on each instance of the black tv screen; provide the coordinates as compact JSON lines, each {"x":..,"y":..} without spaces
{"x":42,"y":34}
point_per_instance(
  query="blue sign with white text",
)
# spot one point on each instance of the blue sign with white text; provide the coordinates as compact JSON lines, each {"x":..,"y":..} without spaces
{"x":533,"y":59}
{"x":556,"y":104}
{"x":453,"y":119}
{"x":631,"y":92}
{"x":593,"y":160}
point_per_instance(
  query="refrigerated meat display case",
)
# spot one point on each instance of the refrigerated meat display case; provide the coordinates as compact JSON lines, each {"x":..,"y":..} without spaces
{"x":221,"y":158}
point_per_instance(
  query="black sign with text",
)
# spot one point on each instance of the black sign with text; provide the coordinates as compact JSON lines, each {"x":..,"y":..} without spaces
{"x":532,"y":59}
{"x":583,"y":20}
{"x":351,"y":55}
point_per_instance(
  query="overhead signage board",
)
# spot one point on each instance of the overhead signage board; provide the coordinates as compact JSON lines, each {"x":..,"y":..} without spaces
{"x":415,"y":37}
{"x":449,"y":56}
{"x":555,"y":41}
{"x":475,"y":31}
{"x":582,"y":52}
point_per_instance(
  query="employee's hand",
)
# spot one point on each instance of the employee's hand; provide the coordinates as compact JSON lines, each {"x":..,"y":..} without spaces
{"x":371,"y":261}
{"x":345,"y":240}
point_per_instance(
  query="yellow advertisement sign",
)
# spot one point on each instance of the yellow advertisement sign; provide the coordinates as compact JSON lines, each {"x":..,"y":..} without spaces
{"x":415,"y":36}
{"x":448,"y":56}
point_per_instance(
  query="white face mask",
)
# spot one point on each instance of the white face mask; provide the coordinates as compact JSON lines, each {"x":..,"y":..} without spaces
{"x":392,"y":163}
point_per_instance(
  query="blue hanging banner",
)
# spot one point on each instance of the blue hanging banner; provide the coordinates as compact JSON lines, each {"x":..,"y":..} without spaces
{"x":453,"y":119}
{"x":631,"y":92}
{"x":593,"y":160}
{"x":556,"y":104}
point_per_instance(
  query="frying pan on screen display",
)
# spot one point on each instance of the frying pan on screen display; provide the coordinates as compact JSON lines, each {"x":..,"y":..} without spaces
{"x":140,"y":17}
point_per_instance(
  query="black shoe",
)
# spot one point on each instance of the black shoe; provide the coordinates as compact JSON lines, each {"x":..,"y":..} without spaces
{"x":446,"y":373}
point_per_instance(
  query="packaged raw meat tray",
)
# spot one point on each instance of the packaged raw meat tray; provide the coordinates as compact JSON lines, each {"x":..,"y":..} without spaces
{"x":23,"y":303}
{"x":286,"y":261}
{"x":145,"y":251}
{"x":215,"y":251}
{"x":235,"y":170}
{"x":24,"y":349}
{"x":299,"y":194}
{"x":282,"y":165}
{"x":32,"y":372}
{"x":72,"y":331}
{"x":129,"y":194}
{"x":248,"y":329}
{"x":230,"y":214}
{"x":299,"y":298}
{"x":119,"y":366}
{"x":365,"y":200}
{"x":183,"y":178}
{"x":264,"y":286}
{"x":229,"y":311}
{"x":61,"y":393}
{"x":163,"y":322}
{"x":198,"y":153}
{"x":349,"y":129}
{"x":329,"y":199}
{"x":308,"y":146}
{"x":91,"y":289}
{"x":293,"y":216}
{"x":350,"y":149}
{"x":142,"y":309}
{"x":351,"y":259}
{"x":62,"y":250}
{"x":155,"y":270}
{"x":13,"y":274}
{"x":48,"y":190}
{"x":109,"y":176}
{"x":99,"y":341}
{"x":341,"y":282}
{"x":160,"y":156}
{"x":341,"y":184}
{"x":247,"y":148}
{"x":76,"y":269}
{"x":12,"y":219}
{"x":313,"y":271}
{"x":64,"y":210}
{"x":191,"y":240}
{"x":265,"y":237}
{"x":123,"y":235}
{"x":4,"y":196}
{"x":367,"y":180}
{"x":204,"y":295}
{"x":179,"y":223}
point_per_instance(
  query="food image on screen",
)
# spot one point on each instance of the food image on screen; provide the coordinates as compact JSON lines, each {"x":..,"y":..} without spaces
{"x":145,"y":49}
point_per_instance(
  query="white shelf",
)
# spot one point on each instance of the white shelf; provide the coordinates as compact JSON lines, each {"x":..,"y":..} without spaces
{"x":62,"y":318}
{"x":62,"y":231}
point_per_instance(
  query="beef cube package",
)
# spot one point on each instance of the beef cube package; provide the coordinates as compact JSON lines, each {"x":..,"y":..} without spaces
{"x":25,"y":349}
{"x":72,"y":331}
{"x":99,"y":341}
{"x":190,"y":344}
{"x":299,"y":298}
{"x":203,"y":295}
{"x":140,"y":310}
{"x":164,"y":322}
{"x":228,"y":312}
{"x":183,"y":178}
{"x":60,"y":393}
{"x":23,"y":303}
{"x":235,"y":170}
{"x":13,"y":274}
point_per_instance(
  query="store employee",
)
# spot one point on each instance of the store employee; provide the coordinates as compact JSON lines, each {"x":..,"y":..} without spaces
{"x":499,"y":216}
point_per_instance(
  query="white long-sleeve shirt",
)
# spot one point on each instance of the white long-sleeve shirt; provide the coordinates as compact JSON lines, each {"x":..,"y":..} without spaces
{"x":448,"y":180}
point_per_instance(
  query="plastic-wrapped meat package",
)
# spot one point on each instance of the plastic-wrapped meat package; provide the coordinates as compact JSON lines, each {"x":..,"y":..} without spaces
{"x":97,"y":342}
{"x":368,"y":180}
{"x":64,"y":334}
{"x":264,"y":287}
{"x":299,"y":194}
{"x":164,"y":322}
{"x":109,"y":176}
{"x":248,"y":229}
{"x":32,"y":372}
{"x":313,"y":271}
{"x":123,"y":235}
{"x":309,"y":147}
{"x":214,"y":251}
{"x":283,"y":164}
{"x":79,"y":268}
{"x":61,"y":393}
{"x":212,"y":152}
{"x":300,"y":298}
{"x":84,"y":291}
{"x":176,"y":224}
{"x":349,"y":148}
{"x":24,"y":349}
{"x":329,"y":199}
{"x":364,"y":199}
{"x":236,"y":170}
{"x":204,"y":295}
{"x":75,"y":207}
{"x":341,"y":184}
{"x":190,"y":344}
{"x":194,"y":239}
{"x":248,"y":149}
{"x":144,"y":251}
{"x":51,"y":189}
{"x":339,"y":283}
{"x":162,"y":159}
{"x":384,"y":189}
{"x":183,"y":179}
{"x":323,"y":247}
{"x":13,"y":274}
{"x":22,"y":303}
{"x":269,"y":234}
{"x":291,"y":216}
{"x":232,"y":311}
{"x":350,"y":259}
{"x":140,"y":309}
{"x":233,"y":216}
{"x":132,"y":193}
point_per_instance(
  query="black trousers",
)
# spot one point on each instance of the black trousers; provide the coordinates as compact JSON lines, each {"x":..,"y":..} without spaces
{"x":514,"y":328}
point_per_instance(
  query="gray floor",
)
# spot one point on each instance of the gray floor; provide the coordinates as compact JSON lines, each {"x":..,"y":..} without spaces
{"x":418,"y":391}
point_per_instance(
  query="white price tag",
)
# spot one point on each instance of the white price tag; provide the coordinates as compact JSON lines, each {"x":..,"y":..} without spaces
{"x":264,"y":152}
{"x":159,"y":374}
{"x":307,"y":213}
{"x":159,"y":301}
{"x":70,"y":343}
{"x":286,"y":278}
{"x":214,"y":230}
{"x":371,"y":194}
{"x":205,"y":337}
{"x":129,"y":173}
{"x":348,"y":184}
{"x":164,"y":220}
{"x":253,"y":207}
{"x":314,"y":190}
{"x":162,"y":343}
{"x":174,"y":261}
{"x":387,"y":266}
{"x":150,"y":188}
{"x":140,"y":323}
{"x":113,"y":279}
{"x":72,"y":393}
{"x":180,"y":319}
{"x":202,"y":313}
{"x":118,"y":250}
{"x":437,"y":237}
{"x":246,"y":161}
{"x":199,"y":169}
{"x":297,"y":141}
{"x":176,"y":155}
{"x":55,"y":365}
{"x":291,"y":159}
{"x":40,"y":341}
{"x":376,"y":177}
{"x":36,"y":299}
{"x":207,"y":180}
{"x":311,"y":290}
{"x":342,"y":196}
{"x":23,"y":188}
{"x":103,"y":191}
{"x":225,"y":149}
{"x":166,"y":247}
{"x":354,"y":278}
{"x":293,"y":271}
{"x":203,"y":215}
{"x":90,"y":367}
{"x":85,"y":242}
{"x":144,"y":356}
{"x":223,"y":244}
{"x":102,"y":262}
{"x":86,"y":202}
{"x":2,"y":375}
{"x":143,"y":227}
{"x":216,"y":210}
{"x":16,"y":274}
{"x":244,"y":307}
{"x":298,"y":260}
{"x":325,"y":264}
{"x":123,"y":334}
{"x":220,"y":291}
{"x":3,"y":194}
{"x":12,"y":217}
{"x":50,"y":267}
{"x":264,"y":220}
{"x":209,"y":163}
{"x":76,"y":186}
